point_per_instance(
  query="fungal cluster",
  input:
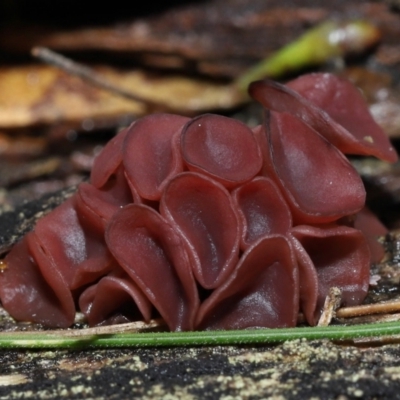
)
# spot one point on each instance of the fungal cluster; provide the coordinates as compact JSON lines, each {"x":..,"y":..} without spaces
{"x":208,"y":223}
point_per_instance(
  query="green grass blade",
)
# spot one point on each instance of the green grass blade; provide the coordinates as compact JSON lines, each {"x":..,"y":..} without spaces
{"x":210,"y":338}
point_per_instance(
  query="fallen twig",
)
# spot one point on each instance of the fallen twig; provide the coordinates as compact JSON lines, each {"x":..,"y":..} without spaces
{"x":369,"y":319}
{"x":368,"y":309}
{"x":91,"y":76}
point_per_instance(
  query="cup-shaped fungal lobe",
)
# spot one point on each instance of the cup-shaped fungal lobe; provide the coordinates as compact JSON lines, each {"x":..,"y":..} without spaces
{"x":203,"y":211}
{"x":345,"y":104}
{"x":262,"y":210}
{"x":108,"y":161}
{"x":64,"y":242}
{"x":151,"y":153}
{"x":72,"y":245}
{"x":319,"y":182}
{"x":262,"y":140}
{"x":372,"y":229}
{"x":98,"y":260}
{"x":341,"y":258}
{"x":262,"y":290}
{"x":99,"y":205}
{"x":31,"y":293}
{"x":94,"y":208}
{"x":275,"y":96}
{"x":93,"y":268}
{"x":114,"y":295}
{"x":308,"y":280}
{"x":222,"y":148}
{"x":154,"y":256}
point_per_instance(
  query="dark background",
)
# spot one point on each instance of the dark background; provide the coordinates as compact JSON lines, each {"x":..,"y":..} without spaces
{"x":73,"y":13}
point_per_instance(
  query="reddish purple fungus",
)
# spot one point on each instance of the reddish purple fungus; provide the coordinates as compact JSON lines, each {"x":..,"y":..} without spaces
{"x":340,"y":257}
{"x":210,"y":224}
{"x":330,"y":112}
{"x":318,"y":182}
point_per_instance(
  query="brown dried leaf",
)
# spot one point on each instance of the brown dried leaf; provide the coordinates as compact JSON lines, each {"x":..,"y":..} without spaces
{"x":44,"y":95}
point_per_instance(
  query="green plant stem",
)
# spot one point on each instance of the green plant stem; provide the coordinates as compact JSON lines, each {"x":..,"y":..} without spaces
{"x":328,"y":40}
{"x":39,"y":340}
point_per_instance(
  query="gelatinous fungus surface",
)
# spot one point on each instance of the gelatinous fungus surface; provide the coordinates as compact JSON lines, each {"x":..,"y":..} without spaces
{"x":210,"y":224}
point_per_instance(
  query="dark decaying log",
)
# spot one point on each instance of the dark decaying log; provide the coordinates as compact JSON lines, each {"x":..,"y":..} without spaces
{"x":215,"y":38}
